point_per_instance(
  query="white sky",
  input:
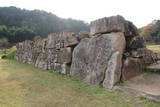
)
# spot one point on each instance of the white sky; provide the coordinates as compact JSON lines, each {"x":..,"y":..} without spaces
{"x":140,"y":12}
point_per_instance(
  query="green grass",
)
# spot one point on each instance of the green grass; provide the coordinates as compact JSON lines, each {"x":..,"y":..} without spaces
{"x":9,"y":54}
{"x":148,"y":103}
{"x":155,"y":48}
{"x":23,"y":85}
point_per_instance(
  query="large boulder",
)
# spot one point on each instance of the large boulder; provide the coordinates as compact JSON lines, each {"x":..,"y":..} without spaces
{"x":82,"y":35}
{"x":131,"y":68}
{"x":62,"y":68}
{"x":54,"y":52}
{"x":157,"y":54}
{"x":64,"y":55}
{"x":93,"y":56}
{"x":113,"y":24}
{"x":24,"y":51}
{"x":136,"y":43}
{"x":146,"y":56}
{"x":42,"y":61}
{"x":113,"y":72}
{"x":62,"y":40}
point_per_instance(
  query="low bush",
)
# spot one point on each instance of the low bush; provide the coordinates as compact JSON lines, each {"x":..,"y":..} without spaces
{"x":9,"y":54}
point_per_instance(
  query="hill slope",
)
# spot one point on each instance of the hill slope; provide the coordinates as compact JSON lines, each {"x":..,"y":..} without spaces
{"x":18,"y":24}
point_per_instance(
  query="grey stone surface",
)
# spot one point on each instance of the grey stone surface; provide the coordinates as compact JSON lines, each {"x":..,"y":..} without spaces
{"x":113,"y":24}
{"x":64,"y":55}
{"x":51,"y":53}
{"x":83,"y":35}
{"x":92,"y":56}
{"x":131,"y":68}
{"x":113,"y":72}
{"x":62,"y":40}
{"x":62,"y":68}
{"x":136,"y":42}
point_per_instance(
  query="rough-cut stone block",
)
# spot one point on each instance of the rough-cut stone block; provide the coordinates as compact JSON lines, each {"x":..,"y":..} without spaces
{"x":113,"y":72}
{"x":113,"y":24}
{"x":62,"y":40}
{"x":157,"y":55}
{"x":61,"y":68}
{"x":64,"y":55}
{"x":92,"y":56}
{"x":146,"y":56}
{"x":131,"y":68}
{"x":83,"y":35}
{"x":136,"y":43}
{"x":41,"y":61}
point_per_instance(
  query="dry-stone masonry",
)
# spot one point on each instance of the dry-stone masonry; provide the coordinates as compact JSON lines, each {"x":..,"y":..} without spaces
{"x":111,"y":52}
{"x":52,"y":53}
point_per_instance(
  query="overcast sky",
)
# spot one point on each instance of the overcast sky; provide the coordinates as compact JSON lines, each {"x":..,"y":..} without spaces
{"x":140,"y":12}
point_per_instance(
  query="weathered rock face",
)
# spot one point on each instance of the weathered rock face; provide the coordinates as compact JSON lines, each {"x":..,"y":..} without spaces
{"x":113,"y":24}
{"x":92,"y":59}
{"x":119,"y":24}
{"x":113,"y":49}
{"x":86,"y":65}
{"x":135,"y":61}
{"x":131,"y":68}
{"x":53,"y":53}
{"x":146,"y":56}
{"x":157,"y":56}
{"x":135,"y":43}
{"x":83,"y":35}
{"x":113,"y":72}
{"x":61,"y":40}
{"x":24,"y":51}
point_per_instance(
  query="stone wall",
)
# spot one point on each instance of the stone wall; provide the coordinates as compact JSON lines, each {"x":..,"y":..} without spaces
{"x":53,"y":53}
{"x":112,"y":51}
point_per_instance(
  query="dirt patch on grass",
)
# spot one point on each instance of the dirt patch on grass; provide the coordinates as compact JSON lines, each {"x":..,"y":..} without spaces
{"x":147,"y":82}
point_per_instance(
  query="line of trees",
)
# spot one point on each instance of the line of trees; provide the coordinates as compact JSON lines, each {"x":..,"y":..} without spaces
{"x":151,"y":32}
{"x":16,"y":34}
{"x":19,"y":24}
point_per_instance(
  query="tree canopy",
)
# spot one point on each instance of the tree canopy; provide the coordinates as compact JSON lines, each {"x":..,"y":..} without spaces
{"x":19,"y":24}
{"x":151,"y":32}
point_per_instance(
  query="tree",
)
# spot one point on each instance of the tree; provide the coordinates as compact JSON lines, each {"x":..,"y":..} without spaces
{"x":147,"y":31}
{"x":3,"y":42}
{"x":151,"y":32}
{"x":20,"y":24}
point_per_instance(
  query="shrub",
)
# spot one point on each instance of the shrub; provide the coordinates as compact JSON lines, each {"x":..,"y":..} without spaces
{"x":3,"y":56}
{"x":10,"y":53}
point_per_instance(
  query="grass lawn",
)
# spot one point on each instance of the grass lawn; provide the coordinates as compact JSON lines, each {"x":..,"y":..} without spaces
{"x":23,"y":85}
{"x":155,"y":48}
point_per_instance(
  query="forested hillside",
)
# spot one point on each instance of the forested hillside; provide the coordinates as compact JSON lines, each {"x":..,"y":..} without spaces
{"x":19,"y":24}
{"x":151,"y":32}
